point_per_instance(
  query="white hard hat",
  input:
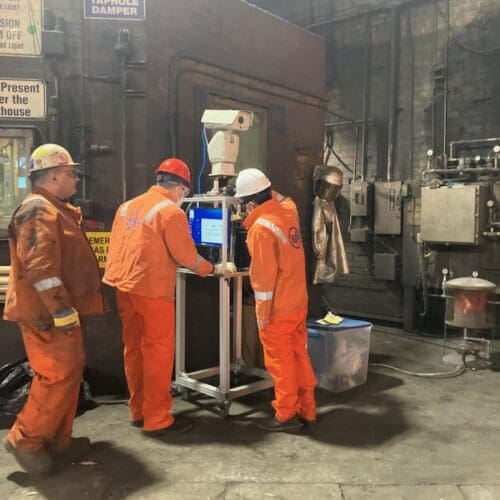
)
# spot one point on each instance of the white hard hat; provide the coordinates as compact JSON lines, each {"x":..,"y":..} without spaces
{"x":50,"y":156}
{"x":251,"y":181}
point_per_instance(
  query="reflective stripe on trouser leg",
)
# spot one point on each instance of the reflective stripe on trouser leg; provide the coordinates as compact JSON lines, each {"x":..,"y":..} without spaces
{"x":157,"y":317}
{"x":57,"y":358}
{"x":132,"y":333}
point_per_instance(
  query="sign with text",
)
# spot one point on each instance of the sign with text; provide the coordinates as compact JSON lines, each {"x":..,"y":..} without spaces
{"x":20,"y":27}
{"x":99,"y":241}
{"x":131,"y":10}
{"x":22,"y":99}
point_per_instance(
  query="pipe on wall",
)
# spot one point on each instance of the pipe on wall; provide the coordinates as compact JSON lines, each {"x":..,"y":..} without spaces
{"x":393,"y":89}
{"x":366,"y":70}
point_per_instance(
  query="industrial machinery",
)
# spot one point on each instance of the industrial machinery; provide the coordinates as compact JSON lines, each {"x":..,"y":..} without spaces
{"x":407,"y":238}
{"x":469,"y":307}
{"x":214,"y":219}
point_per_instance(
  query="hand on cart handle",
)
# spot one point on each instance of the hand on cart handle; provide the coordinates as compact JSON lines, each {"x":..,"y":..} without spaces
{"x":219,"y":269}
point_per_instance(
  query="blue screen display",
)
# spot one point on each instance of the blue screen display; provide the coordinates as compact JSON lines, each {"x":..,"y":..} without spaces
{"x":206,"y":226}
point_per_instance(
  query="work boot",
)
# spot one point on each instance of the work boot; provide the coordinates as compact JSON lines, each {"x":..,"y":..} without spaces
{"x":77,"y":450}
{"x":308,"y":424}
{"x":180,"y":426}
{"x":36,"y":462}
{"x":137,"y":423}
{"x":274,"y":425}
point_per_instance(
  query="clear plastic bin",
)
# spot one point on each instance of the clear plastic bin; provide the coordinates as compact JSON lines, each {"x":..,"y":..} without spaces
{"x":339,"y":354}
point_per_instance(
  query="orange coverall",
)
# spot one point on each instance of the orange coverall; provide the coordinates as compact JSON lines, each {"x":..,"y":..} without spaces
{"x":150,"y":238}
{"x":53,"y":268}
{"x":277,"y":275}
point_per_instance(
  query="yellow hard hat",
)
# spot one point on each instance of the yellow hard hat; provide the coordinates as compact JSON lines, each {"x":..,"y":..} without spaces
{"x":50,"y":156}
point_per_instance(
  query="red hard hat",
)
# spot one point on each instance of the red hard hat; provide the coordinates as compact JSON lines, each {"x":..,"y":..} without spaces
{"x":175,"y":167}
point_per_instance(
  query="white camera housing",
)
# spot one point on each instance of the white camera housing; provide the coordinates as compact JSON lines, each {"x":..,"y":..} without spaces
{"x":227,"y":119}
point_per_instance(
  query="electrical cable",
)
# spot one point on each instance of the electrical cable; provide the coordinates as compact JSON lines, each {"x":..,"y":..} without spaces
{"x":340,"y":159}
{"x":491,"y":51}
{"x":407,"y":336}
{"x":204,"y":145}
{"x":459,"y":370}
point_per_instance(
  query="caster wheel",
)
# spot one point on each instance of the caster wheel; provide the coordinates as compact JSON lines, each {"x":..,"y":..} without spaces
{"x":224,"y":408}
{"x":185,"y":394}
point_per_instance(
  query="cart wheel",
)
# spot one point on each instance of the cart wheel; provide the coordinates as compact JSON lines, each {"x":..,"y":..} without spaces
{"x":224,"y":407}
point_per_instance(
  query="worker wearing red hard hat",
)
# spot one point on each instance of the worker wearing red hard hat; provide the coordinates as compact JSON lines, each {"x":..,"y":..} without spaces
{"x":150,"y":238}
{"x":278,"y":279}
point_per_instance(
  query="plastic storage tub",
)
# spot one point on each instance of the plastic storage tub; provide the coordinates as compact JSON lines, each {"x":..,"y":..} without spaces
{"x":339,"y":354}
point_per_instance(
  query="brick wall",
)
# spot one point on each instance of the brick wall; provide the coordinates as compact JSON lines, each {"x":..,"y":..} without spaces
{"x":422,"y":32}
{"x":474,"y":80}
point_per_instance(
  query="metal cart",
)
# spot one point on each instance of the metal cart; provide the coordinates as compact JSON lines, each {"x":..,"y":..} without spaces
{"x":229,"y":362}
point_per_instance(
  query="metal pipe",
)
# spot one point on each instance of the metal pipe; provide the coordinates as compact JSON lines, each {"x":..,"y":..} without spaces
{"x":409,"y":34}
{"x":83,"y":124}
{"x":366,"y":69}
{"x":123,"y":145}
{"x":471,"y":141}
{"x":391,"y":131}
{"x":445,"y":90}
{"x":348,"y":122}
{"x":460,"y":170}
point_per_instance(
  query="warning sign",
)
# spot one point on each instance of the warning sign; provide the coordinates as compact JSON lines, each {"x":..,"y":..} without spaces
{"x":132,"y":10}
{"x":20,"y":27}
{"x":99,"y":241}
{"x":22,"y":99}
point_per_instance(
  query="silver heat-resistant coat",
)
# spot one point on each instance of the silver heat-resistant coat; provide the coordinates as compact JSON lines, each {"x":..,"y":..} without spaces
{"x":328,"y":244}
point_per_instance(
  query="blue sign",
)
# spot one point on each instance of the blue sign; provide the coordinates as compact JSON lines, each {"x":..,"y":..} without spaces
{"x":131,"y":10}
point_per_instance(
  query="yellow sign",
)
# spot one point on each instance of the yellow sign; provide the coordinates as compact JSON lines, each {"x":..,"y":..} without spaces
{"x":99,"y":241}
{"x":20,"y":27}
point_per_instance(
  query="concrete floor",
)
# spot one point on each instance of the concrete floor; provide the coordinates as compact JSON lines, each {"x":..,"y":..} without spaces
{"x":396,"y":437}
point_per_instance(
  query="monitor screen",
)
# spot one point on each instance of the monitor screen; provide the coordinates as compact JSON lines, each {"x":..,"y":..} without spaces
{"x":206,"y":226}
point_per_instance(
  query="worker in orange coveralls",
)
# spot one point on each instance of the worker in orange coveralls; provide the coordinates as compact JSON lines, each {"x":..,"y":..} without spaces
{"x":54,"y":280}
{"x":149,"y":240}
{"x":277,"y":276}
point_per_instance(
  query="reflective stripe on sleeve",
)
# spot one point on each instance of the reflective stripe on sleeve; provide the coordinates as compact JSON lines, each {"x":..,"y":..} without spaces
{"x":263,"y":295}
{"x":156,"y":208}
{"x":47,"y":284}
{"x":274,"y":228}
{"x":66,"y":318}
{"x":123,"y":210}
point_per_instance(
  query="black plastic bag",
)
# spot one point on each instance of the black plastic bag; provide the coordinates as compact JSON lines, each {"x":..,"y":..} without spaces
{"x":15,"y":383}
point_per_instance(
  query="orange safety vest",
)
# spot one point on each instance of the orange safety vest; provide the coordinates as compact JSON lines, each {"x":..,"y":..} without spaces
{"x":150,"y":238}
{"x":53,"y":266}
{"x":277,"y":270}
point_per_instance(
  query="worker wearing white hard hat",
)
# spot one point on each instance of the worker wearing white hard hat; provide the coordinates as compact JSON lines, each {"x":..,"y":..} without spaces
{"x":277,"y":275}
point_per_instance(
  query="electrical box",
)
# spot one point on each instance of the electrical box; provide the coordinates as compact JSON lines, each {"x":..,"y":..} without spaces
{"x":456,"y":214}
{"x":360,"y":199}
{"x":384,"y":266}
{"x":388,"y":207}
{"x":359,"y":234}
{"x":53,"y":42}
